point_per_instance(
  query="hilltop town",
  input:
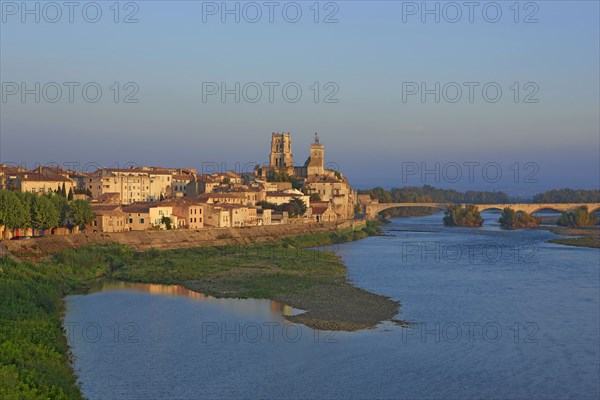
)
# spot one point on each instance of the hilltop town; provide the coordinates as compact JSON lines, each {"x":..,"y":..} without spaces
{"x":159,"y":198}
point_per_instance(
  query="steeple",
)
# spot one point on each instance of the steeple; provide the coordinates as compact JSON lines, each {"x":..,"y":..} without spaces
{"x":316,"y":159}
{"x":281,"y":151}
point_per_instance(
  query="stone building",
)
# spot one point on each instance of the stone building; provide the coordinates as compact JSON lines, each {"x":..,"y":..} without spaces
{"x":148,"y":215}
{"x":41,"y":183}
{"x":331,"y":186}
{"x":281,"y":157}
{"x":108,"y":218}
{"x":315,"y":164}
{"x":132,"y":184}
{"x":189,"y":212}
{"x":321,"y":211}
{"x":217,"y":216}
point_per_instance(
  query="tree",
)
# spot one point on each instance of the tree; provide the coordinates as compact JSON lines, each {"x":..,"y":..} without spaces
{"x":167,"y":221}
{"x":61,"y":205}
{"x":281,"y":175}
{"x":70,"y":196}
{"x":86,"y":191}
{"x":80,"y":212}
{"x":315,"y":197}
{"x":455,"y":215}
{"x":266,"y":205}
{"x":13,"y":214}
{"x":518,"y":219}
{"x":568,"y":196}
{"x":429,"y":194}
{"x":26,"y":200}
{"x":63,"y":191}
{"x":296,"y":207}
{"x":580,"y":217}
{"x":43,"y":213}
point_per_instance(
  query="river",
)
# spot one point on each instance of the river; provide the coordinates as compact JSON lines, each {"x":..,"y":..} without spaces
{"x":495,"y":314}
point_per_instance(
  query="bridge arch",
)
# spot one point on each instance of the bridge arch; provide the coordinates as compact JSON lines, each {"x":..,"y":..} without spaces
{"x":555,"y":209}
{"x":491,"y":208}
{"x":372,"y":209}
{"x":594,"y":209}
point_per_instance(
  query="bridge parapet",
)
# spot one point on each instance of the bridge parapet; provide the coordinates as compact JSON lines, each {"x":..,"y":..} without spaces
{"x":371,"y":210}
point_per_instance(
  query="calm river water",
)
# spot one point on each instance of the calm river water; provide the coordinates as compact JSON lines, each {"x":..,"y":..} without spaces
{"x":496,"y":314}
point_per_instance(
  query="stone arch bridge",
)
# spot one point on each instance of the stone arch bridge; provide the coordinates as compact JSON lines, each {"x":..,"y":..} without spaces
{"x":371,"y":210}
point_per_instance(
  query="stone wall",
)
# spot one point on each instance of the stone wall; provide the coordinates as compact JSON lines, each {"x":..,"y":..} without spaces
{"x":39,"y":248}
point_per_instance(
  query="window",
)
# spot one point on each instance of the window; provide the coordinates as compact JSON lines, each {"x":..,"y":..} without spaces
{"x":141,"y":220}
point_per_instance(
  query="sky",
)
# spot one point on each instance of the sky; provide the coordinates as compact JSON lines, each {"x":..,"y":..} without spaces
{"x":491,"y":96}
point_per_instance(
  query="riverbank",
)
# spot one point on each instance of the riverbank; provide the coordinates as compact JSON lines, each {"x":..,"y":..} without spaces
{"x":37,"y":249}
{"x":290,"y":272}
{"x":584,"y":237}
{"x":35,"y":358}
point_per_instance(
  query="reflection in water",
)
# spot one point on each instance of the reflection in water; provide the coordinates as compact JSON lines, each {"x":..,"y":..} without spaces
{"x":249,"y":305}
{"x":187,"y":345}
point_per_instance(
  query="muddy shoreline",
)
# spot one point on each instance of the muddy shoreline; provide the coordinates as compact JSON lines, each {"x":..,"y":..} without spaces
{"x":335,"y":306}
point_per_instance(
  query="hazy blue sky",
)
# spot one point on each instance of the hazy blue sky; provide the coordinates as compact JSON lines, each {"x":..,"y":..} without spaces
{"x":370,"y":54}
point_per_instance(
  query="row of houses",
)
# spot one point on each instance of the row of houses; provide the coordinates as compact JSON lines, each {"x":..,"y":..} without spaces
{"x":193,"y":213}
{"x":143,"y":198}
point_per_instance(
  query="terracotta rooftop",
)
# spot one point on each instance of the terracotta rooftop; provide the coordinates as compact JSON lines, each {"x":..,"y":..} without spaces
{"x":318,"y":209}
{"x":230,"y":206}
{"x":220,"y":196}
{"x":137,"y":171}
{"x":104,"y":209}
{"x":142,"y":207}
{"x":182,"y":177}
{"x":53,"y":169}
{"x":281,"y":194}
{"x":205,"y":178}
{"x":35,"y":177}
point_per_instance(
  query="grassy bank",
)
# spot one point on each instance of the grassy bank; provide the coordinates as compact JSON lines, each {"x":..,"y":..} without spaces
{"x":34,"y":356}
{"x":584,"y":237}
{"x":33,"y":350}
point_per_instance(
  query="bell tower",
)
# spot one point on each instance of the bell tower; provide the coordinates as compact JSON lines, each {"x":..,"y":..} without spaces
{"x":316,"y":161}
{"x":281,"y":151}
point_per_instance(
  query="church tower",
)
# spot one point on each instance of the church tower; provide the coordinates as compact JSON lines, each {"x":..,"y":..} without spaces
{"x":316,"y":160}
{"x":281,"y":152}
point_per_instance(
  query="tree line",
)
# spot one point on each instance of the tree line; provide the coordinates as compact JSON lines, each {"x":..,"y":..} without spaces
{"x":294,"y":208}
{"x":430,"y":194}
{"x":468,"y":215}
{"x":50,"y":210}
{"x":568,"y":196}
